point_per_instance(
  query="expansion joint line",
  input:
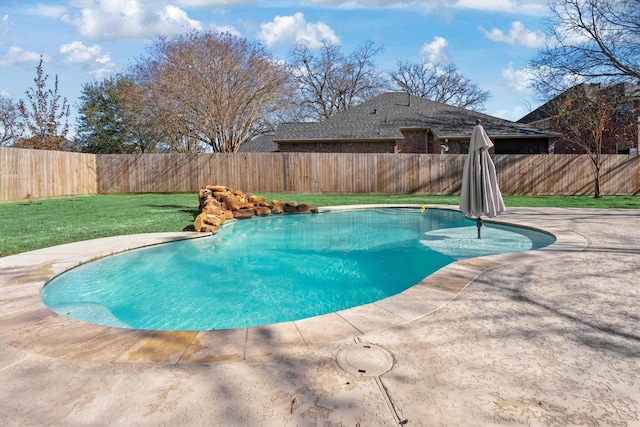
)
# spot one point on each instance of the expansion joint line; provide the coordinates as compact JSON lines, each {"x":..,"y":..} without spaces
{"x":28,"y":356}
{"x":387,"y":399}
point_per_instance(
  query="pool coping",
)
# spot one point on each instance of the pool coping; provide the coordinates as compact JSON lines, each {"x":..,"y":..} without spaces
{"x":27,"y":324}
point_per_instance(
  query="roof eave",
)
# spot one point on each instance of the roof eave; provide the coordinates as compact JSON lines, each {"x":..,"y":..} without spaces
{"x":335,"y":140}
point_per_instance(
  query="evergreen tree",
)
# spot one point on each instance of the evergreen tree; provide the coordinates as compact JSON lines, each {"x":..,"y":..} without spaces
{"x":102,"y":127}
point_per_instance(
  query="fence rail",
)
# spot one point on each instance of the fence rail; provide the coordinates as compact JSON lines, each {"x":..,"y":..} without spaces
{"x":49,"y":173}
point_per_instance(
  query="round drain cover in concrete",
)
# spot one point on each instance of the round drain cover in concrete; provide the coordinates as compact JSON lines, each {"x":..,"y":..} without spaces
{"x":366,"y":360}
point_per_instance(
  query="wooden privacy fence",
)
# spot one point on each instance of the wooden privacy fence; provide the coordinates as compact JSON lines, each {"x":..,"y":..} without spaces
{"x":41,"y":173}
{"x":281,"y":172}
{"x":359,"y":173}
{"x":50,"y":173}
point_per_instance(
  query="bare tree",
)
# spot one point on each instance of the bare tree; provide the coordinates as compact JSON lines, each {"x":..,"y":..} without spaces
{"x":214,"y":88}
{"x":153,"y":128}
{"x":593,"y":120}
{"x":589,"y":40}
{"x":441,"y":84}
{"x":330,"y":81}
{"x":45,"y":115}
{"x":10,"y":121}
{"x":596,"y":41}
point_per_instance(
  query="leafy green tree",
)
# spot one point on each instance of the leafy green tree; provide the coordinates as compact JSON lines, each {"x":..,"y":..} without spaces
{"x":45,"y":115}
{"x":101,"y":127}
{"x":107,"y":121}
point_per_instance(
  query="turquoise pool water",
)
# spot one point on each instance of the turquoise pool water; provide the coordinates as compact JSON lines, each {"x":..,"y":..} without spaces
{"x":278,"y":268}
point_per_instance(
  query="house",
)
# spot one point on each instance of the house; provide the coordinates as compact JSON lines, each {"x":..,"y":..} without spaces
{"x":621,"y":131}
{"x":397,"y":122}
{"x":261,"y":144}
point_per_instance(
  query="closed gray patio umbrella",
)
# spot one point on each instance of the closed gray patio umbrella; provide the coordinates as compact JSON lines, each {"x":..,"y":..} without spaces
{"x":480,"y":194}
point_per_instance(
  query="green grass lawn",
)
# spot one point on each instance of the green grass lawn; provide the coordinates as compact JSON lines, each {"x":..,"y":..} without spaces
{"x":607,"y":202}
{"x":28,"y":226}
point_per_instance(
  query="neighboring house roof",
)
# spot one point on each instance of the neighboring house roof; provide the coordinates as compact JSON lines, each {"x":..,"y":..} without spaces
{"x":550,"y":108}
{"x":543,"y":112}
{"x":260,"y":144}
{"x":384,"y":116}
{"x":588,"y":90}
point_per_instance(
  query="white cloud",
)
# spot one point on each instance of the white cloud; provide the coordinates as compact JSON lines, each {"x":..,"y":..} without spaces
{"x":517,"y":35}
{"x":212,"y":3}
{"x":46,"y":11}
{"x":102,"y":69}
{"x":562,"y":79}
{"x":520,"y":7}
{"x":129,"y":19}
{"x":515,"y":113}
{"x":77,"y":52}
{"x":294,"y":29}
{"x":5,"y":23}
{"x":518,"y":81}
{"x":17,"y":55}
{"x":394,"y":4}
{"x":226,"y":29}
{"x":172,"y":16}
{"x":436,"y":51}
{"x":90,"y":58}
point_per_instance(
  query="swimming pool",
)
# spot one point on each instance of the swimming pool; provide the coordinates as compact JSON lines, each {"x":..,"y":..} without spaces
{"x":277,"y":268}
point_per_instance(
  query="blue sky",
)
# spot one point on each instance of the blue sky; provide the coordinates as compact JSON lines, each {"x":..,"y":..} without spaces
{"x":490,"y":41}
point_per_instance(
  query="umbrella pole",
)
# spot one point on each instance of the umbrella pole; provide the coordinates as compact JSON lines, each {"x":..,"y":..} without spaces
{"x":479,"y":220}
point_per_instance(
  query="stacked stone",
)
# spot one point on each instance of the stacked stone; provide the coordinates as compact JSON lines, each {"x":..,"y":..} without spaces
{"x":219,"y":203}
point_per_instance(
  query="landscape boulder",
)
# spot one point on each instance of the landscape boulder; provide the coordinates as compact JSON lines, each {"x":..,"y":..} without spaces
{"x":218,"y":203}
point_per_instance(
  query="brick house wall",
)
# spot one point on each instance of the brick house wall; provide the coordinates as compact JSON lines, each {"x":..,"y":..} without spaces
{"x":420,"y":141}
{"x":338,"y":147}
{"x":415,"y":141}
{"x":627,"y":135}
{"x":623,"y":131}
{"x":423,"y":142}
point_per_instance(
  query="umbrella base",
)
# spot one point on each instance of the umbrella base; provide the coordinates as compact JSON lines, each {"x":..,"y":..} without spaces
{"x":479,"y":225}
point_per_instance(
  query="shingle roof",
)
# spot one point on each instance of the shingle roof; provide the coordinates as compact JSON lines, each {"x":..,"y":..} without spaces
{"x":261,"y":144}
{"x":384,"y":116}
{"x":550,"y":108}
{"x":589,"y":90}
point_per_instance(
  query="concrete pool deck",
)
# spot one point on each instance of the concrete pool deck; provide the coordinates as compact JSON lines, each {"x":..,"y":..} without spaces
{"x":542,"y":337}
